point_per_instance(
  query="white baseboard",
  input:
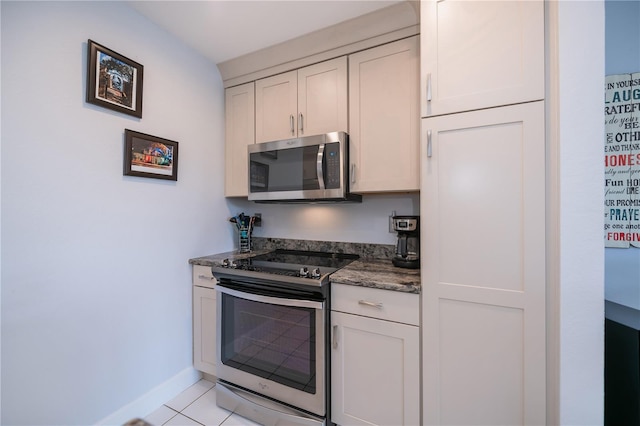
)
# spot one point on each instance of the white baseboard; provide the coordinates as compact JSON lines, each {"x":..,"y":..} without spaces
{"x":153,"y":399}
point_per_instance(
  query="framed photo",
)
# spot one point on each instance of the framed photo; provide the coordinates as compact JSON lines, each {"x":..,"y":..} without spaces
{"x":150,"y":156}
{"x":113,"y":81}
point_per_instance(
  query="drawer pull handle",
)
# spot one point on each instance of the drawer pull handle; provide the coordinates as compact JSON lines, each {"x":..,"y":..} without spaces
{"x":204,"y":277}
{"x":367,"y":303}
{"x":335,"y":337}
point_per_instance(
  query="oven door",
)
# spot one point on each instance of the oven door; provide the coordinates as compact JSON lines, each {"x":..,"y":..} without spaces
{"x":272,"y":344}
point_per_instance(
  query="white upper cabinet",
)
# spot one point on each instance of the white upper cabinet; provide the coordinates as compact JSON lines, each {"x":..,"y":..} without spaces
{"x":308,"y":101}
{"x":322,"y":98}
{"x":480,"y":54}
{"x":239,"y":133}
{"x":276,"y":107}
{"x":384,"y":118}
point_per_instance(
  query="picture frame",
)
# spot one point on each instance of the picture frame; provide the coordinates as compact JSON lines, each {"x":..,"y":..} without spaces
{"x":113,"y":81}
{"x":150,"y":156}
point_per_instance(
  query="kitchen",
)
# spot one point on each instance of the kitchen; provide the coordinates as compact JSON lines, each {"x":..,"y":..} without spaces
{"x":102,"y":308}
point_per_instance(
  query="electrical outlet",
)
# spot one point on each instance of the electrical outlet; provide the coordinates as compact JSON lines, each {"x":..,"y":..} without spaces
{"x":391,"y":231}
{"x":258,"y":222}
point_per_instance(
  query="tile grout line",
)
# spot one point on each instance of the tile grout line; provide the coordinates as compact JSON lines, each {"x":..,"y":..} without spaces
{"x":171,"y":418}
{"x":191,"y":418}
{"x":192,"y":402}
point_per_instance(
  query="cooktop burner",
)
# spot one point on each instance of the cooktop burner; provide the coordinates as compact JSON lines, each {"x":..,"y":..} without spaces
{"x":293,"y":266}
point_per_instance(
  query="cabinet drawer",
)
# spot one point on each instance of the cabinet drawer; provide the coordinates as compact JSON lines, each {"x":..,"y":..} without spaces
{"x":202,"y":276}
{"x":375,"y":303}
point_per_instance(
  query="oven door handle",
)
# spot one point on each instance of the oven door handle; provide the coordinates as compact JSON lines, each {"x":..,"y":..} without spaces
{"x":271,"y":300}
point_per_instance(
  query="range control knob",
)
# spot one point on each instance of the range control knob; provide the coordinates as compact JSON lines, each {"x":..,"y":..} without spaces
{"x":229,"y":264}
{"x":304,"y":272}
{"x":315,"y":273}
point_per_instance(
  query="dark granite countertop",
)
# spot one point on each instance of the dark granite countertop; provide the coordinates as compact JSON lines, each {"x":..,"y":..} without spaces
{"x":378,"y":273}
{"x":374,"y":268}
{"x":216,"y":259}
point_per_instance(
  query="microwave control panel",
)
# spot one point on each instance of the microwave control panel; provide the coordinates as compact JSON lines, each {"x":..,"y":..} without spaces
{"x":332,"y":171}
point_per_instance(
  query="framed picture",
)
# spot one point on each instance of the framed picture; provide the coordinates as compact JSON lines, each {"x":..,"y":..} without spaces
{"x":113,"y":81}
{"x":150,"y":156}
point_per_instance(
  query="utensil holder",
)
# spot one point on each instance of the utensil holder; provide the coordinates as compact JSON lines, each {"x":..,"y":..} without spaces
{"x":244,"y":239}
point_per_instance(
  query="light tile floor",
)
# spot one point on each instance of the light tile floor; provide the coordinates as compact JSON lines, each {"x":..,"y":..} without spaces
{"x":196,"y":405}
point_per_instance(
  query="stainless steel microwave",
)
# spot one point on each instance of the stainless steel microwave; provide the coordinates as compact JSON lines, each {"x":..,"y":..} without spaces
{"x":306,"y":169}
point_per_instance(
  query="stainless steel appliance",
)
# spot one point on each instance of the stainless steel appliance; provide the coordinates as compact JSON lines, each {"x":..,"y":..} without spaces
{"x":306,"y":169}
{"x":272,"y":336}
{"x":408,"y":245}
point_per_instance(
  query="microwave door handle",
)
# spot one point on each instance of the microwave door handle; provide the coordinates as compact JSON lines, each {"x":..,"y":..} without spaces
{"x":319,"y":166}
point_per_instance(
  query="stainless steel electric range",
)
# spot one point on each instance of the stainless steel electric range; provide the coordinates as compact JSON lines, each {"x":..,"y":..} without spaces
{"x":272,"y":335}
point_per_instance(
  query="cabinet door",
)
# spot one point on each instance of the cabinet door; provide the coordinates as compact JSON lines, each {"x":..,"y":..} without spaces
{"x":384,"y":118}
{"x":483,"y":270}
{"x":479,"y":54}
{"x":239,"y":133}
{"x":204,"y":329}
{"x":374,"y":372}
{"x":277,"y":107}
{"x":322,"y":98}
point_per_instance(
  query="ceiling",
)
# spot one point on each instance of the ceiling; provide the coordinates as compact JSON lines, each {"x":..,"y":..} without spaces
{"x":225,"y":29}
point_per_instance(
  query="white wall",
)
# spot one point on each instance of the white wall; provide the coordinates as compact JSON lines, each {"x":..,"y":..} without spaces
{"x":366,"y":222}
{"x":622,"y":266}
{"x":96,"y":295}
{"x":581,"y":252}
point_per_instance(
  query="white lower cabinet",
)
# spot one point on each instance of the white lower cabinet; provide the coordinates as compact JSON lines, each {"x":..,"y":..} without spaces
{"x":204,"y":320}
{"x":375,"y":363}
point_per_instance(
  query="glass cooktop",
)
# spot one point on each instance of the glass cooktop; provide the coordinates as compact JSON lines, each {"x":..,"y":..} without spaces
{"x":304,"y":267}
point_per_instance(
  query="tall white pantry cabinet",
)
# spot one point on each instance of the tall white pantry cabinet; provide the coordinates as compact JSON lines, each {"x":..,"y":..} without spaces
{"x":483,"y":212}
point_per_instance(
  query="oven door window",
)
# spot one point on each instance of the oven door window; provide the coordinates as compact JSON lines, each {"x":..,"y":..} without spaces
{"x":271,"y":341}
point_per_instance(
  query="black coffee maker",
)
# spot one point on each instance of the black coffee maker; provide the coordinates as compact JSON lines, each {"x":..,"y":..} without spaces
{"x":408,"y":246}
